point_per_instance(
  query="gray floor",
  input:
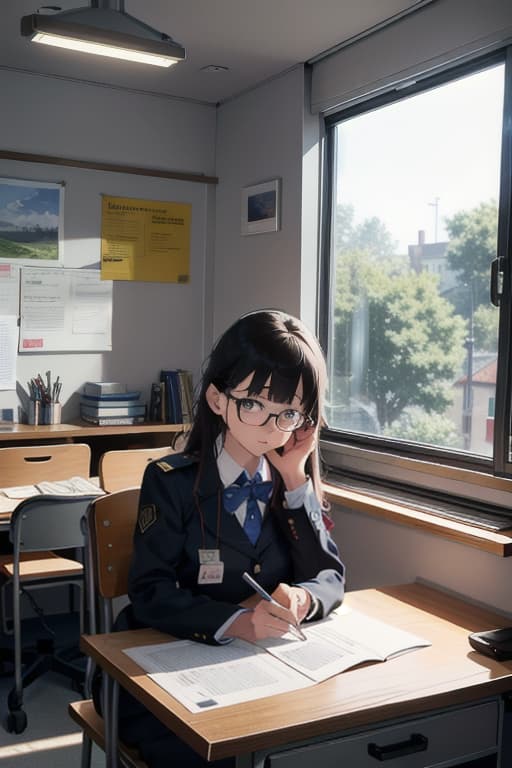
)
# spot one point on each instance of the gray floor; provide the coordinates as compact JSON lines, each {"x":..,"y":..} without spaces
{"x":51,"y":739}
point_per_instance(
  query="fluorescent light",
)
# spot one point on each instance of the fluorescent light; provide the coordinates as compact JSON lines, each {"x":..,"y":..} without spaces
{"x":103,"y":32}
{"x":101,"y":49}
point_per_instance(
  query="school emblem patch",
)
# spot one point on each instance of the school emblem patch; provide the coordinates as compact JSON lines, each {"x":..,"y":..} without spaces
{"x":147,"y":516}
{"x":164,"y":466}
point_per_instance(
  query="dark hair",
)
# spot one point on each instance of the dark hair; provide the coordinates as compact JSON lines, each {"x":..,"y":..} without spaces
{"x":279,"y":349}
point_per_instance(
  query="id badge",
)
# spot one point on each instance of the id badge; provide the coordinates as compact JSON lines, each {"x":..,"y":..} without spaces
{"x":207,"y":556}
{"x":211,"y":573}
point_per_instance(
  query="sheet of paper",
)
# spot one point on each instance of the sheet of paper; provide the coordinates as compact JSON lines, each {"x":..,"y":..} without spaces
{"x":204,"y":677}
{"x":10,"y":289}
{"x":340,"y":642}
{"x":20,"y":491}
{"x":65,"y":310}
{"x":75,"y":486}
{"x":8,"y":351}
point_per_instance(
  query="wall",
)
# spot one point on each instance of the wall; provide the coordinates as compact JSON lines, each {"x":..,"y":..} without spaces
{"x":155,"y":325}
{"x":260,"y":137}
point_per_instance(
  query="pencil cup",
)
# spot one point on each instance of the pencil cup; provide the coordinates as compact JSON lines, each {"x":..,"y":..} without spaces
{"x":51,"y":413}
{"x":34,"y":412}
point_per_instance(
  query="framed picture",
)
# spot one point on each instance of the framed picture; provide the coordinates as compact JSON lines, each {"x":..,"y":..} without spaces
{"x":31,"y":214}
{"x":260,"y":208}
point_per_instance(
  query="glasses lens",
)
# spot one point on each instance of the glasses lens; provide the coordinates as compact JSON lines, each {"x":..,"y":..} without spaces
{"x":289,"y":420}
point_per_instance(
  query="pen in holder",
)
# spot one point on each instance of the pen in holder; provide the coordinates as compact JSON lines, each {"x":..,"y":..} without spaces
{"x":34,"y":414}
{"x":44,"y":406}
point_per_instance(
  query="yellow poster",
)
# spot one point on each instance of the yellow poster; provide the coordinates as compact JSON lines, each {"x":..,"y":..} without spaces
{"x":146,"y":240}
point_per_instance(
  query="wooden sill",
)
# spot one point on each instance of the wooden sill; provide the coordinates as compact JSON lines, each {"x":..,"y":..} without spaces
{"x":498,"y":543}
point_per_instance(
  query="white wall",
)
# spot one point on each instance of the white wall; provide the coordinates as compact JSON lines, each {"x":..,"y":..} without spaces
{"x":155,"y":324}
{"x":259,"y":138}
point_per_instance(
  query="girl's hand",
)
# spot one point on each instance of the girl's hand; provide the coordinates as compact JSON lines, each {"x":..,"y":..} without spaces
{"x":291,"y":462}
{"x":265,"y":620}
{"x":270,"y":620}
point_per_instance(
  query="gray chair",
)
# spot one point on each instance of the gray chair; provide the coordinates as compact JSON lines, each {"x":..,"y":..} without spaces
{"x":39,"y":524}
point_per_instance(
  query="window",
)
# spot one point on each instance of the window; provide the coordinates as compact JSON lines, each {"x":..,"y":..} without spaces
{"x":418,"y":213}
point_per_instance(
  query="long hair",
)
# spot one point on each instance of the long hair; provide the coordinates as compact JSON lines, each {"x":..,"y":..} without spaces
{"x":277,"y":348}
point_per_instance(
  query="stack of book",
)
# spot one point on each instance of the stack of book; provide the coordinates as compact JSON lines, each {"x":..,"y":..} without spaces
{"x":107,"y":403}
{"x":171,"y":397}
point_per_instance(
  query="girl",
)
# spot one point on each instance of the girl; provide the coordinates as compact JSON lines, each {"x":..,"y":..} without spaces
{"x":244,"y":496}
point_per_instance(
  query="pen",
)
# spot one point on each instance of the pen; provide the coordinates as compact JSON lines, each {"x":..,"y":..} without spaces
{"x":295,"y":630}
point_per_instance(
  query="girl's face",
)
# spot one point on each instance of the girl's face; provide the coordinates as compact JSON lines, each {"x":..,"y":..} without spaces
{"x":244,"y":440}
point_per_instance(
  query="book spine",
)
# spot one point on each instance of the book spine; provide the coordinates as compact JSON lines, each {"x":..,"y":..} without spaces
{"x":113,"y":421}
{"x":133,"y":410}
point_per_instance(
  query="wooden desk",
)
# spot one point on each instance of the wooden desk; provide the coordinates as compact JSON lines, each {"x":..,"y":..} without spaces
{"x":100,"y":439}
{"x":442,"y":678}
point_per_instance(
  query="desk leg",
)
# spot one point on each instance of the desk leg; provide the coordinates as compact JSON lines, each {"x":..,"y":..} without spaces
{"x":244,"y":761}
{"x":110,"y":715}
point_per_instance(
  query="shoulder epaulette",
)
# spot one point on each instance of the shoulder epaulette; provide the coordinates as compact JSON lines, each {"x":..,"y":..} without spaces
{"x":176,"y":461}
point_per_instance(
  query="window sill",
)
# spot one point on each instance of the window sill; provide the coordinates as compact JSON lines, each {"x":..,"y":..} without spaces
{"x":498,"y":543}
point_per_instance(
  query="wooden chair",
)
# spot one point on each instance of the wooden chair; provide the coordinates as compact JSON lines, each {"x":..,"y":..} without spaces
{"x":26,"y":465}
{"x":35,"y":568}
{"x":110,"y":524}
{"x":124,"y":469}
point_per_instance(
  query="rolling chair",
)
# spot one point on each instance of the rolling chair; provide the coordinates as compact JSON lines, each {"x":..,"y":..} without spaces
{"x":29,"y":465}
{"x":37,"y":524}
{"x":110,"y":523}
{"x":125,"y":468}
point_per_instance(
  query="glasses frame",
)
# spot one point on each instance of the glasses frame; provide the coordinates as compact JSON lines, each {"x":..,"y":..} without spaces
{"x":306,"y":420}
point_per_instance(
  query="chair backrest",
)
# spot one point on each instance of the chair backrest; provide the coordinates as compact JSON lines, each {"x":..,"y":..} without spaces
{"x":111,"y":522}
{"x":25,"y":465}
{"x":124,"y":469}
{"x":49,"y":522}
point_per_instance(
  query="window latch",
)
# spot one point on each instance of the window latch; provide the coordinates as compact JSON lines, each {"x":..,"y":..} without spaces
{"x":497,"y":267}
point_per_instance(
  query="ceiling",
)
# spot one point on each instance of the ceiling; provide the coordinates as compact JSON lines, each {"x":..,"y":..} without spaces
{"x":255,"y":40}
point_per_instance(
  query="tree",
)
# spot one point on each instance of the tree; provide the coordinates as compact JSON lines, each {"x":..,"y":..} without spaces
{"x":472,"y":247}
{"x":427,"y":428}
{"x":406,"y":338}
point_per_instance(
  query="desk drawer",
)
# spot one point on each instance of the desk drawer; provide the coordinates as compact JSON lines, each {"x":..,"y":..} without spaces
{"x":456,"y":733}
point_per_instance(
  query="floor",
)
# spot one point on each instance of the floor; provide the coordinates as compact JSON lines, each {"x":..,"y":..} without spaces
{"x":51,"y":739}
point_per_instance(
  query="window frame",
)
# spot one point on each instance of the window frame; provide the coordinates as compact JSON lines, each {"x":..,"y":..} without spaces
{"x":461,"y":472}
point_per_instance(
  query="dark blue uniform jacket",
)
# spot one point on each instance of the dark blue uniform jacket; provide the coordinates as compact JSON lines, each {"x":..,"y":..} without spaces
{"x":180,"y":514}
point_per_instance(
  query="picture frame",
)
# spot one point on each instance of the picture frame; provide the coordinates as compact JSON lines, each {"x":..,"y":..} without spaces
{"x":260,"y":209}
{"x":31,"y":222}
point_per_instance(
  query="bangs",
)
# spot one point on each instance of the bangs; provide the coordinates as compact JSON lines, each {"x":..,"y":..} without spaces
{"x":284,"y":370}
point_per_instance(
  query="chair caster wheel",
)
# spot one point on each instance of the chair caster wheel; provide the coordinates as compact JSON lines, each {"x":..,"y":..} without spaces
{"x":16,"y":721}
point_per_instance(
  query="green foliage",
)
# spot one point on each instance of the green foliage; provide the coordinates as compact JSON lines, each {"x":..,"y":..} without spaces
{"x":395,"y":327}
{"x":485,"y":328}
{"x":473,"y":244}
{"x":430,"y":429}
{"x":10,"y":249}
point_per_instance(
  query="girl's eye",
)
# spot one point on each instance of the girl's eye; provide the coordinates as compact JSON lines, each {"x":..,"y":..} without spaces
{"x":290,"y":415}
{"x":250,"y":405}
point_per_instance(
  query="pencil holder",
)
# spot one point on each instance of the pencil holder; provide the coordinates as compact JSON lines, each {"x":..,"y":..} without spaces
{"x":51,"y":413}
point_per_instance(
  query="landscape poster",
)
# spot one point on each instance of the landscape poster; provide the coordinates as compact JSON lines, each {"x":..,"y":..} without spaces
{"x":30,"y":222}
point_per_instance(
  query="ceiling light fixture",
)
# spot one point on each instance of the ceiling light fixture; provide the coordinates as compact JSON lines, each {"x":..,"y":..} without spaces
{"x":104,"y":29}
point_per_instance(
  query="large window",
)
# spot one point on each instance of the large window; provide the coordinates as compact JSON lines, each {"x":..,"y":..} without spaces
{"x":418,"y":215}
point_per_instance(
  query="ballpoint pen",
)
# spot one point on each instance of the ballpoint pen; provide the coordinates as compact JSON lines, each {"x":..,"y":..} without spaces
{"x":294,"y":629}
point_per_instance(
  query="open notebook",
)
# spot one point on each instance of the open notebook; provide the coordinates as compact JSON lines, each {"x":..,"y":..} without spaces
{"x":206,"y":677}
{"x":75,"y":486}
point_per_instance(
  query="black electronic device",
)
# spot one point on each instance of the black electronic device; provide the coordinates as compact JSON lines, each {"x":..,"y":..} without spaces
{"x":496,"y":643}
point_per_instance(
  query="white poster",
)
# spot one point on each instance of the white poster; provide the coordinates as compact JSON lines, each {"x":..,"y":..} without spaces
{"x":65,"y":310}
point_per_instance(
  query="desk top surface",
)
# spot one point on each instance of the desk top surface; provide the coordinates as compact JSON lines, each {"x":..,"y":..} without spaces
{"x":25,"y":432}
{"x":447,"y":673}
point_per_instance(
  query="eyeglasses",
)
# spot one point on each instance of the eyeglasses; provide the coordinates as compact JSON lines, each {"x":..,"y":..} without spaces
{"x":255,"y":414}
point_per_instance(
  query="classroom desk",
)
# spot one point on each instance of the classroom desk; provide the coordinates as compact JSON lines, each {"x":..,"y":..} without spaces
{"x":446,"y":690}
{"x":100,"y":439}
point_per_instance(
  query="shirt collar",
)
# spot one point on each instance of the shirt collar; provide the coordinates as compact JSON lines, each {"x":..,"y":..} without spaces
{"x":230,"y":470}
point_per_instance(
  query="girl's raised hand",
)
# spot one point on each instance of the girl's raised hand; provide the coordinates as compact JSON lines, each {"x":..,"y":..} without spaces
{"x":291,"y":462}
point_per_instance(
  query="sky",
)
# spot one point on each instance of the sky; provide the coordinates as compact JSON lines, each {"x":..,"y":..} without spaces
{"x":395,"y":161}
{"x":29,"y":204}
